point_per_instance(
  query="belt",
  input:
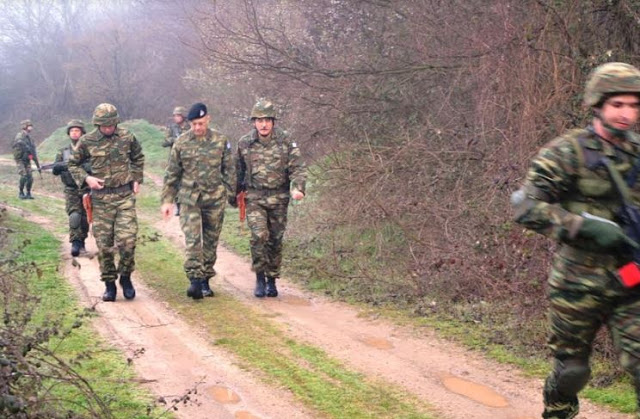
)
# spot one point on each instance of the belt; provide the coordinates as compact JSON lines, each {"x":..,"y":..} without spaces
{"x":589,"y":258}
{"x":268,"y":192}
{"x":118,"y":189}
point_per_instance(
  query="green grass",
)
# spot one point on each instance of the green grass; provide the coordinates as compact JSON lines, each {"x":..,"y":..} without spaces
{"x":317,"y":380}
{"x":104,"y":367}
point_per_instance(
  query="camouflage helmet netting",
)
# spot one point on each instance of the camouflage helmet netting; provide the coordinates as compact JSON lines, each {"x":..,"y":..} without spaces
{"x":75,"y":123}
{"x":105,"y":114}
{"x":608,"y":79}
{"x":24,"y":124}
{"x":180,"y":110}
{"x":263,"y":109}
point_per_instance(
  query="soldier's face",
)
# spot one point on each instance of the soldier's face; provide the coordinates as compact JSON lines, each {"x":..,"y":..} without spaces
{"x":107,"y":130}
{"x":621,"y":111}
{"x":178,"y":119}
{"x":29,"y":128}
{"x":75,"y":133}
{"x":263,"y":125}
{"x":200,"y":125}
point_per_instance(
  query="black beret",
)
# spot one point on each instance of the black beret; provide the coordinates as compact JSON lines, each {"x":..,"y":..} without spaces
{"x":198,"y":110}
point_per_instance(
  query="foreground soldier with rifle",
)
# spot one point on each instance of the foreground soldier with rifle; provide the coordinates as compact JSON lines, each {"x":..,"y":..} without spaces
{"x":78,"y":224}
{"x":572,"y":194}
{"x":24,"y":152}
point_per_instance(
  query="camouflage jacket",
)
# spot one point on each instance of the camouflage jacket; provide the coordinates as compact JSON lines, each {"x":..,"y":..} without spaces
{"x":273,"y":164}
{"x":117,"y":159}
{"x":560,"y":185}
{"x":174,"y":131}
{"x":23,"y":146}
{"x":199,"y":169}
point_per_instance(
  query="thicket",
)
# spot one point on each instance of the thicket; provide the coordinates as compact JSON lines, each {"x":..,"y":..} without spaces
{"x":421,"y":117}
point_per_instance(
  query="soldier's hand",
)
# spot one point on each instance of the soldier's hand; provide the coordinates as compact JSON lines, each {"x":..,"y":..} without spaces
{"x":233,"y":201}
{"x":94,"y":182}
{"x":605,"y":233}
{"x":297,"y":195}
{"x":166,"y":210}
{"x":136,"y":188}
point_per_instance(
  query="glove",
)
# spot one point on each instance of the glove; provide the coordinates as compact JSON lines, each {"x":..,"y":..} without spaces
{"x":58,"y":168}
{"x":233,"y":201}
{"x":605,"y":233}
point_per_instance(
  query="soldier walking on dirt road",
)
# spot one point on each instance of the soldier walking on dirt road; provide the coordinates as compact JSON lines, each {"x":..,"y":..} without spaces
{"x":573,"y":194}
{"x":116,"y":160}
{"x":201,"y":174}
{"x":271,"y":171}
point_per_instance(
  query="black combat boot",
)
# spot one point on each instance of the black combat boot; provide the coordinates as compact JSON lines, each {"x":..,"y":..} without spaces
{"x":195,"y":289}
{"x":206,"y":289}
{"x":260,"y":284}
{"x":110,"y":293}
{"x":28,"y":195}
{"x":127,"y":287}
{"x":272,"y":291}
{"x":21,"y":195}
{"x":75,"y":247}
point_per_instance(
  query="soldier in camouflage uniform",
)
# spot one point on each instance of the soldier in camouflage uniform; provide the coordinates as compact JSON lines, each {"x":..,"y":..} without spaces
{"x":201,"y":173}
{"x":271,"y":170}
{"x":179,"y":126}
{"x":78,"y":224}
{"x":569,"y":197}
{"x":116,"y":161}
{"x":24,"y":151}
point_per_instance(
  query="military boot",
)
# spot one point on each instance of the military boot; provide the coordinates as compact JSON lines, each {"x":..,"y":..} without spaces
{"x":260,"y":285}
{"x":21,"y":195}
{"x":28,"y":195}
{"x":206,"y":289}
{"x":127,"y":287}
{"x":110,"y":292}
{"x":557,"y":405}
{"x":195,"y":289}
{"x":272,"y":291}
{"x":75,"y":247}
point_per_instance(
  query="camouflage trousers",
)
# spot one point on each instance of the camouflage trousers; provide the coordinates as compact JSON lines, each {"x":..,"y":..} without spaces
{"x":78,"y":224}
{"x":201,"y":225}
{"x":26,"y":175}
{"x":115,"y":228}
{"x":583,"y":298}
{"x":267,"y":220}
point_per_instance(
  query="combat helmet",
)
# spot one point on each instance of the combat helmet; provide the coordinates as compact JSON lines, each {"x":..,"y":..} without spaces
{"x":26,"y":123}
{"x":105,"y":114}
{"x":75,"y":123}
{"x":180,"y":110}
{"x":263,"y":109}
{"x":609,"y":79}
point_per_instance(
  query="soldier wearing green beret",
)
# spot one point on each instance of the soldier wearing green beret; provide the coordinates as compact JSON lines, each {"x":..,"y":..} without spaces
{"x":570,"y":197}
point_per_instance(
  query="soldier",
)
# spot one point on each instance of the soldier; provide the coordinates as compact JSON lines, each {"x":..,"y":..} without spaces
{"x":179,"y":126}
{"x":569,"y":196}
{"x":271,"y":170}
{"x":24,"y":151}
{"x":201,"y":174}
{"x":78,"y":224}
{"x":117,"y":162}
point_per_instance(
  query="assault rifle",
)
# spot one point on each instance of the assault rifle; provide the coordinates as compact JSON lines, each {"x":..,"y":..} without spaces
{"x":629,"y":215}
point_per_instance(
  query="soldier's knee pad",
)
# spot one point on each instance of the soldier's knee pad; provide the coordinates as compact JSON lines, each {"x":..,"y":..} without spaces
{"x":75,"y":219}
{"x":571,"y":375}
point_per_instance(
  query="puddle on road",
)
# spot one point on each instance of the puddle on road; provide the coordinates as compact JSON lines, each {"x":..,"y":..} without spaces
{"x":378,"y":343}
{"x":474,"y":391}
{"x":243,"y":414}
{"x":224,"y":395}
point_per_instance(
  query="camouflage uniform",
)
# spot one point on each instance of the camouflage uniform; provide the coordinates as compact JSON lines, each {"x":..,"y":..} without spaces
{"x":78,"y":224}
{"x":561,"y":186}
{"x":201,"y":173}
{"x":118,"y":159}
{"x":24,"y":151}
{"x":267,"y":169}
{"x":175,"y":130}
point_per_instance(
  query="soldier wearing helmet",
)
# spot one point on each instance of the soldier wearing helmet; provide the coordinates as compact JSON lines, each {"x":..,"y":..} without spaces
{"x":271,"y":171}
{"x":569,"y":196}
{"x":24,"y":152}
{"x":78,"y":224}
{"x":179,"y":126}
{"x":116,"y":162}
{"x":200,"y":176}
